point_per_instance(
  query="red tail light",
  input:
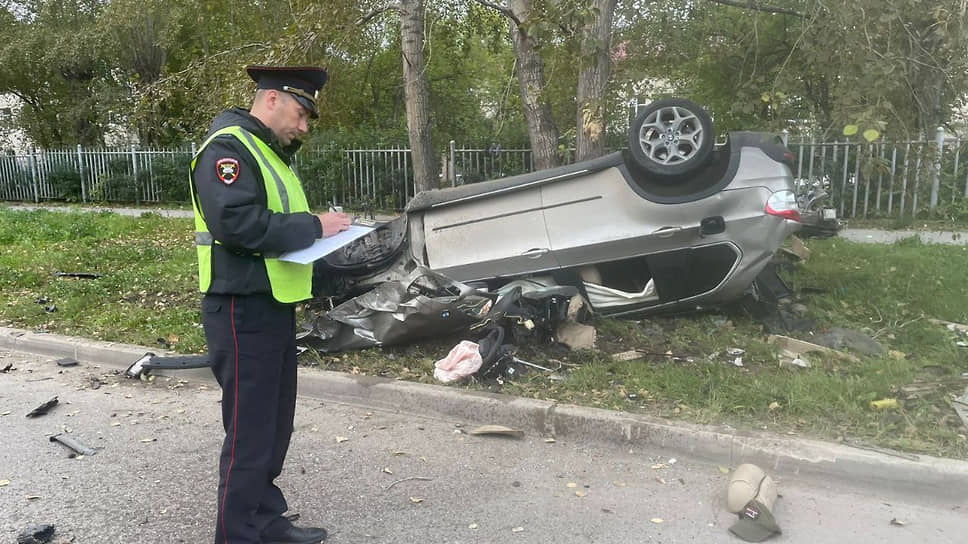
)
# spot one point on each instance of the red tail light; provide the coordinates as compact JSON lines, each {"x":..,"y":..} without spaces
{"x":783,"y":204}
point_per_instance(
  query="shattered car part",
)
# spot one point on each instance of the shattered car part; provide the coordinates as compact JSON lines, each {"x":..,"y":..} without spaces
{"x":425,"y":304}
{"x":66,"y":361}
{"x":43,"y":408}
{"x":36,"y":534}
{"x":818,"y":221}
{"x":149,"y":361}
{"x":498,"y":430}
{"x":81,"y":275}
{"x":76,"y":446}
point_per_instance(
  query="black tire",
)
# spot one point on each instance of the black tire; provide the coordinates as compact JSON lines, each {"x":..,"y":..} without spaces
{"x":671,"y":138}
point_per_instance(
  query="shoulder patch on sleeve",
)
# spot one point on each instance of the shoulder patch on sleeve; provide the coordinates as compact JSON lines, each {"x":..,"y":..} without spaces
{"x":227,"y":170}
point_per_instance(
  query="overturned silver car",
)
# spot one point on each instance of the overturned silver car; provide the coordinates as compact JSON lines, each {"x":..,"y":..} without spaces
{"x":676,"y":222}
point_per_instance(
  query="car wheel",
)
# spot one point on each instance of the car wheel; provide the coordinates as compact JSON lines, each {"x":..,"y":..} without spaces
{"x":671,"y":137}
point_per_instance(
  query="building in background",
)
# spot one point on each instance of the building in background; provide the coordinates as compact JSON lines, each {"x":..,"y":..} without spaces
{"x":13,"y":140}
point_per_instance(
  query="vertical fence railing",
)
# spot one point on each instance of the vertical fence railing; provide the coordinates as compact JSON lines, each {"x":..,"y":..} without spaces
{"x":916,"y":178}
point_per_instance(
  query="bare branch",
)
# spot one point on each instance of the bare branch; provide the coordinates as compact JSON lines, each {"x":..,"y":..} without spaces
{"x":751,"y":4}
{"x":376,"y":11}
{"x":504,"y":10}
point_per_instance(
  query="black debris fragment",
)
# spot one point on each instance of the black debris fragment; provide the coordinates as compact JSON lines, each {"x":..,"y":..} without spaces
{"x":50,"y":309}
{"x":42,"y":300}
{"x":78,"y":447}
{"x":8,"y":368}
{"x":149,"y":361}
{"x":36,"y":534}
{"x":43,"y":408}
{"x":83,"y":275}
{"x":66,"y":361}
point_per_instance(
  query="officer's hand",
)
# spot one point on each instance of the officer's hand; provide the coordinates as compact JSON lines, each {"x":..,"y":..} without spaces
{"x":333,"y":223}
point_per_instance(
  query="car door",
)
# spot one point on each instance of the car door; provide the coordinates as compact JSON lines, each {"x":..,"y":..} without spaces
{"x":599,"y":218}
{"x":489,"y":236}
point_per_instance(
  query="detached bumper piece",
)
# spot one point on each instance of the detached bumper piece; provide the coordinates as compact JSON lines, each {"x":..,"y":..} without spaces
{"x":77,"y":447}
{"x":149,"y":362}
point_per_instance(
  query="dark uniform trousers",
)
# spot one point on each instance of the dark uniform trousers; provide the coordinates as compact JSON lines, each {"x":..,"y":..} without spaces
{"x":252,"y":347}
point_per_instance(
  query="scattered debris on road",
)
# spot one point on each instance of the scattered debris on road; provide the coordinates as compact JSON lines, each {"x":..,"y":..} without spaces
{"x":751,"y":494}
{"x":36,"y":534}
{"x":43,"y":408}
{"x":67,"y":361}
{"x":498,"y":430}
{"x":142,"y":367}
{"x":76,"y":446}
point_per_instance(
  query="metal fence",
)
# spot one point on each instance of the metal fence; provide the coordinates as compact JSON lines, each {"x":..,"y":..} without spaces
{"x":882,"y":179}
{"x":917,"y":178}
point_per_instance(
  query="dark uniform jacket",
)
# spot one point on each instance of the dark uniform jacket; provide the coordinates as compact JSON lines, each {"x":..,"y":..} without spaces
{"x":237,"y":213}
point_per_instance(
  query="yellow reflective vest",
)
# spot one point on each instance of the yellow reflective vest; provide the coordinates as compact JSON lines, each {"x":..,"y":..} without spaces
{"x":290,"y":282}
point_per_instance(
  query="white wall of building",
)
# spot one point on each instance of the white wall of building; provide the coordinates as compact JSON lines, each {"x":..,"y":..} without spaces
{"x":12,"y":138}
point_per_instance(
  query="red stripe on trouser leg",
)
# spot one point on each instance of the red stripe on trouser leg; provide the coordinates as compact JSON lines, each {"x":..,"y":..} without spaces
{"x":235,"y":420}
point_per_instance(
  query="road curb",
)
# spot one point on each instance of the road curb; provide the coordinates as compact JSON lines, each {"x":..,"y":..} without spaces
{"x":946,"y":479}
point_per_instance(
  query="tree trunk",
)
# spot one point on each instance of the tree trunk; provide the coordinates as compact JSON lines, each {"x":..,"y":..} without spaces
{"x":542,"y":130}
{"x":417,"y":94}
{"x":592,"y":79}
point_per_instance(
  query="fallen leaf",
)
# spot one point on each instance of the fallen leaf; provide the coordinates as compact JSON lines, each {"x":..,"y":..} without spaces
{"x":660,"y":480}
{"x":774,"y":405}
{"x":32,"y":497}
{"x":115,"y":423}
{"x":618,"y":483}
{"x":899,"y":523}
{"x":146,"y":440}
{"x":659,"y":466}
{"x":884,"y":404}
{"x":4,"y":483}
{"x":580,"y":493}
{"x":572,"y":484}
{"x":399,"y":453}
{"x":416,"y":500}
{"x":7,"y":413}
{"x":387,"y":470}
{"x":517,"y":529}
{"x":547,"y":440}
{"x":341,"y":439}
{"x":724,"y":470}
{"x":656,"y":520}
{"x":473,"y":526}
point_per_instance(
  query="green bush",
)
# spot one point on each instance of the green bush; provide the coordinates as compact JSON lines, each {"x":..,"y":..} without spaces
{"x":66,"y":183}
{"x":170,"y":176}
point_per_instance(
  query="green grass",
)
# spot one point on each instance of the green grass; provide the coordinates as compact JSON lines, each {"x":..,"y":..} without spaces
{"x":148,"y":292}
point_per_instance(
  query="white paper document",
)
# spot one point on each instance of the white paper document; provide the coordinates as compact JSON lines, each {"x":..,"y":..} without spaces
{"x":324,"y":246}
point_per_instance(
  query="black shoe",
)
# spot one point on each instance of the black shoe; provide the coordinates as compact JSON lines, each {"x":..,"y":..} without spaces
{"x":298,"y":535}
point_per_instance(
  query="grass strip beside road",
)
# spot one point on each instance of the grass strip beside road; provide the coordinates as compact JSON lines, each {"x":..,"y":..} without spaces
{"x":147,"y":294}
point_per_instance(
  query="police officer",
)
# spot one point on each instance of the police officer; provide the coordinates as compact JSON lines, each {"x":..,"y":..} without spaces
{"x":250,"y":208}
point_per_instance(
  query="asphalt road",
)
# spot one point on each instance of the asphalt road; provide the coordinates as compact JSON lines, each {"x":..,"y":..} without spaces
{"x":352,"y":469}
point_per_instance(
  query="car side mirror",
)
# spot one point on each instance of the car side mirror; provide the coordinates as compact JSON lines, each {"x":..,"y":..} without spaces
{"x":712,"y":225}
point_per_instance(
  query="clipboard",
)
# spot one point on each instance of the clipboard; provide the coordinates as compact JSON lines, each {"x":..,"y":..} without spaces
{"x":324,"y":246}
